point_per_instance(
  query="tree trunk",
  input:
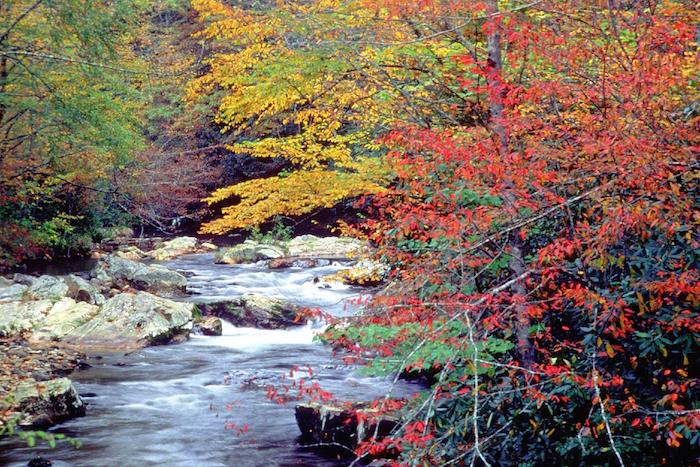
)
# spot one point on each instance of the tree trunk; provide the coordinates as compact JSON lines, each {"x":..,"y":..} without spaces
{"x":495,"y":100}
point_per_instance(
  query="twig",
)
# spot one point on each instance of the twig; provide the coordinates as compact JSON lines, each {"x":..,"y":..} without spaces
{"x":601,"y":404}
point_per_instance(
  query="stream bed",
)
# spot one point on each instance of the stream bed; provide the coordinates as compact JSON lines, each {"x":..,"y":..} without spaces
{"x":170,"y":405}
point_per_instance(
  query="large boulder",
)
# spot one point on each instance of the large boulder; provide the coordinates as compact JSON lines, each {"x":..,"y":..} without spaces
{"x":24,"y":279}
{"x":64,"y":317}
{"x":365,"y":273}
{"x":208,"y":246}
{"x":324,"y":247}
{"x":52,"y":288}
{"x":248,"y":252}
{"x":47,"y":287}
{"x":42,"y":404}
{"x":296,"y":250}
{"x":134,"y":320}
{"x":44,"y":319}
{"x":181,"y":243}
{"x":173,"y":248}
{"x":160,"y":280}
{"x":113,"y":271}
{"x":127,"y":320}
{"x":19,"y":317}
{"x":268,"y":312}
{"x":346,"y":427}
{"x":255,"y":311}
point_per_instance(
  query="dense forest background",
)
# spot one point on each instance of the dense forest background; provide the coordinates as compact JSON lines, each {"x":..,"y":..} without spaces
{"x":95,"y":133}
{"x":529,"y":171}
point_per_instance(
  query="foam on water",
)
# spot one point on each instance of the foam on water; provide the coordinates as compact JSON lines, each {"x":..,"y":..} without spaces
{"x":214,"y":282}
{"x":253,"y":340}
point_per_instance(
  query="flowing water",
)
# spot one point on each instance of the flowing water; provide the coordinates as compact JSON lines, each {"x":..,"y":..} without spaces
{"x":170,"y":405}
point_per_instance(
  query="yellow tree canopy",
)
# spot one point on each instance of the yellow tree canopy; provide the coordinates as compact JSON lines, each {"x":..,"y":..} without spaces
{"x":313,"y":83}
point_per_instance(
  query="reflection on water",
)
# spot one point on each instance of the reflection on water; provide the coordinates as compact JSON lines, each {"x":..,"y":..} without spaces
{"x":58,"y":267}
{"x":169,"y":406}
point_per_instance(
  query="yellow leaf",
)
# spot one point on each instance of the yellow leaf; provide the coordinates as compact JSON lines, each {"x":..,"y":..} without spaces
{"x":640,"y":300}
{"x":609,"y":350}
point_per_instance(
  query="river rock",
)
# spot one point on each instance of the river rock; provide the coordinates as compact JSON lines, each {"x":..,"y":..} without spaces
{"x":47,"y":287}
{"x":292,"y":262}
{"x":52,"y":288}
{"x":18,"y":361}
{"x":28,"y":375}
{"x":10,"y":292}
{"x":324,"y":247}
{"x":255,"y":311}
{"x":248,"y":252}
{"x":304,"y":247}
{"x":181,"y":243}
{"x":125,"y":321}
{"x":130,"y":252}
{"x":24,"y":279}
{"x":112,"y":271}
{"x":64,"y":317}
{"x":207,"y":326}
{"x":268,"y":312}
{"x":329,"y":425}
{"x":366,"y":273}
{"x":160,"y":280}
{"x":18,"y":317}
{"x":173,"y":248}
{"x":83,"y":291}
{"x":42,"y":404}
{"x":134,"y":320}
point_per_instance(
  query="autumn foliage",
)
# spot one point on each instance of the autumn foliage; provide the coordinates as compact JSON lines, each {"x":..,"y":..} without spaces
{"x":284,"y":98}
{"x":529,"y":169}
{"x":66,"y":120}
{"x":546,"y":258}
{"x":314,"y":84}
{"x":89,"y":132}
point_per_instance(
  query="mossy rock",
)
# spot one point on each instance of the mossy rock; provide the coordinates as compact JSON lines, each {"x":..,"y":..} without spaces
{"x":255,"y":311}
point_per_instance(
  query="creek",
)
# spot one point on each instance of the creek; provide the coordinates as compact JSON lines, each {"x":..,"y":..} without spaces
{"x":170,"y":405}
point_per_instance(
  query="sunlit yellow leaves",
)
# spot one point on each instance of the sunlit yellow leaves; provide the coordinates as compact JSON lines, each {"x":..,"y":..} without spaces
{"x":316,"y":82}
{"x":297,"y":193}
{"x":272,"y":74}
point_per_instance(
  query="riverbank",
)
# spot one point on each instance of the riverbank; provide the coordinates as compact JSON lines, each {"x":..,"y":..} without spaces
{"x":247,"y":360}
{"x":36,"y":392}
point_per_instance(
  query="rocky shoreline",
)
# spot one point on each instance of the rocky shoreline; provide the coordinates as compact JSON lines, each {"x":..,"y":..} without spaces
{"x":34,"y":384}
{"x":128,"y":301}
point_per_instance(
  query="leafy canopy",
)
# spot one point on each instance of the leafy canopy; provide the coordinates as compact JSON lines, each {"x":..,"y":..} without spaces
{"x":315,"y":83}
